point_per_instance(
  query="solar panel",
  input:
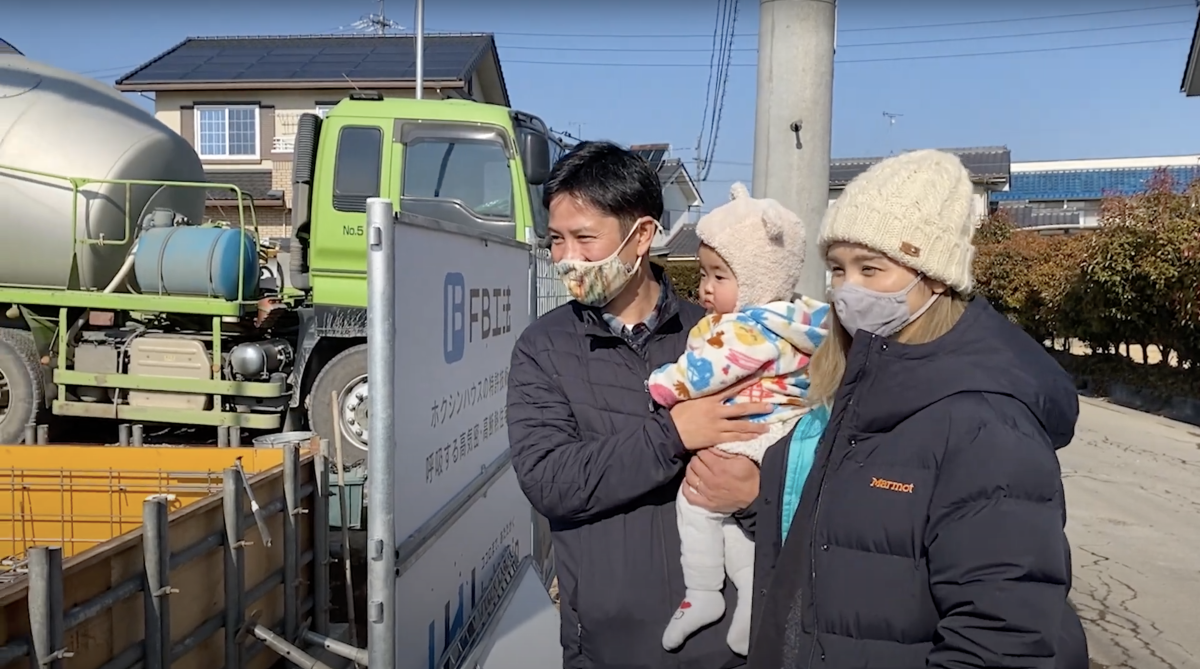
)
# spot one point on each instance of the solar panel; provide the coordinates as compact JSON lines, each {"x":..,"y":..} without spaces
{"x":1087,"y":184}
{"x":313,"y":58}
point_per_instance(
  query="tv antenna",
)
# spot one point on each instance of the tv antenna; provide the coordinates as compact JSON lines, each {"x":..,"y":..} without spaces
{"x":378,"y":24}
{"x":891,"y":118}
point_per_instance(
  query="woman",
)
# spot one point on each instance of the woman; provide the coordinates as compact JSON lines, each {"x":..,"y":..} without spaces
{"x":929,"y":532}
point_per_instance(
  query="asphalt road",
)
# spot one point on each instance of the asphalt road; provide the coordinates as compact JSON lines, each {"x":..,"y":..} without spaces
{"x":1133,"y":517}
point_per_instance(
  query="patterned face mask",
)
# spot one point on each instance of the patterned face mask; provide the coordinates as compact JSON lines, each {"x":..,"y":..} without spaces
{"x":596,"y":283}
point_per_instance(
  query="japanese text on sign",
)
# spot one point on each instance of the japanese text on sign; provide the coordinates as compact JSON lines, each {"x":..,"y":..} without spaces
{"x":441,"y":460}
{"x":454,"y":403}
{"x":496,"y":544}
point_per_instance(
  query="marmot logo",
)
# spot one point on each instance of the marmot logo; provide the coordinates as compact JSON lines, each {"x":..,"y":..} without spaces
{"x":894,"y":486}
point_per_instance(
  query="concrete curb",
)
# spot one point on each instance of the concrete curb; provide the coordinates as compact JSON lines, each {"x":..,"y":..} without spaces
{"x":1182,"y":409}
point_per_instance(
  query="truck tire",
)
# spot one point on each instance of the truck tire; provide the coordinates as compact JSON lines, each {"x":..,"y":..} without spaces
{"x":345,"y":374}
{"x":20,"y":384}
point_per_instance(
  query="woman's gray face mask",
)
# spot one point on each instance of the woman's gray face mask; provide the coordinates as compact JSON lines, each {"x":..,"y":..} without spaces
{"x":881,"y":314}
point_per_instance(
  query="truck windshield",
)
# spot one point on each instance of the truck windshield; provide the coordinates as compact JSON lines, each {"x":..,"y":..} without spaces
{"x":473,"y":173}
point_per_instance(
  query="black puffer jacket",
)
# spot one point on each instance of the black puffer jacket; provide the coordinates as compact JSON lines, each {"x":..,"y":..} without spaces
{"x":603,"y":464}
{"x":930,"y":531}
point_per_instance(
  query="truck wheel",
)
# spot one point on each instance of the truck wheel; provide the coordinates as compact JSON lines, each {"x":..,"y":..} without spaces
{"x":20,"y":384}
{"x":346,"y":375}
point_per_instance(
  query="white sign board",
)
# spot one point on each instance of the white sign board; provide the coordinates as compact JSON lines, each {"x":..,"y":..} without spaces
{"x":520,"y":633}
{"x":438,"y":592}
{"x":461,"y":302}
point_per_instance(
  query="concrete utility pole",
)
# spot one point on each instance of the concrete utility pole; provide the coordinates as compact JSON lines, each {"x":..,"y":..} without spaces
{"x":419,"y":19}
{"x":794,"y":116}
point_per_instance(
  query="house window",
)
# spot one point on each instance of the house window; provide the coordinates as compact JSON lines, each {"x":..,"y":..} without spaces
{"x":472,"y":173}
{"x":357,"y":167}
{"x":322,"y":110}
{"x":227,"y":132}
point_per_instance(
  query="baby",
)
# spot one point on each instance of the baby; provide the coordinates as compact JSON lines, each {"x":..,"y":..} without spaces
{"x":751,"y":256}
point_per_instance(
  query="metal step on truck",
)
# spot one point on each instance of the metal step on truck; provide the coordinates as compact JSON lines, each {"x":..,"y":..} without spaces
{"x":118,"y":557}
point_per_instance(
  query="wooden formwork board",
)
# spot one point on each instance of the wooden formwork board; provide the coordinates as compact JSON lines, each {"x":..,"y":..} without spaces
{"x":196,"y":530}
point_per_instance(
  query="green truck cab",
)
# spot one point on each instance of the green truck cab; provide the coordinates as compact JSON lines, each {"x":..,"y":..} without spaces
{"x":474,"y":164}
{"x":118,"y":302}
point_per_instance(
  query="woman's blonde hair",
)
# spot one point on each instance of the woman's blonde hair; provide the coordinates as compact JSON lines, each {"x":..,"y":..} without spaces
{"x":828,"y":364}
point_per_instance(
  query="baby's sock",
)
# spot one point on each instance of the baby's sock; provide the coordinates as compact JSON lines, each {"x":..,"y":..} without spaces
{"x":739,"y":562}
{"x":698,"y":609}
{"x":738,"y":636}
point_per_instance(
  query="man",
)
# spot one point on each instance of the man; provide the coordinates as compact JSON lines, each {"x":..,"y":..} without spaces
{"x":591,"y":450}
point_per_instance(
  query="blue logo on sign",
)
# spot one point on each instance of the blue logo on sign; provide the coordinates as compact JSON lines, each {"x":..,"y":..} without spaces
{"x":454,"y":292}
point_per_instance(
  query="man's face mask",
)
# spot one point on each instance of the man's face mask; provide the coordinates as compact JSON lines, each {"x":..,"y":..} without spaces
{"x":596,"y":283}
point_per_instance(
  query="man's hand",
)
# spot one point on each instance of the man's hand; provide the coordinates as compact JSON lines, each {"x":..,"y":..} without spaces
{"x":720,"y":482}
{"x":707,"y":421}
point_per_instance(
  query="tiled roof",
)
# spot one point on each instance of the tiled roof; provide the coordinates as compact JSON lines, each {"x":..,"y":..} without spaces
{"x":7,"y":48}
{"x":254,"y":183}
{"x":986,"y":164}
{"x":1086,"y":184}
{"x":683,"y":244}
{"x":1028,"y":217}
{"x":316,"y":58}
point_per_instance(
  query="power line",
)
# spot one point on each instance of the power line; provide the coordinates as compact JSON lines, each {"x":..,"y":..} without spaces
{"x":125,"y":68}
{"x":708,"y":97}
{"x":1051,"y":17}
{"x":941,"y":40}
{"x":723,"y":31}
{"x":1078,"y":47}
{"x":1048,"y":17}
{"x":1018,"y":51}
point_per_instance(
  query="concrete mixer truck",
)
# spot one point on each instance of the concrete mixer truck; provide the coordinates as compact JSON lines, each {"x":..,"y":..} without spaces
{"x":119,"y":301}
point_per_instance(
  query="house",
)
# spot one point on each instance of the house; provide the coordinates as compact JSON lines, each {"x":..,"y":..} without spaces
{"x":1191,"y":78}
{"x":989,"y":168}
{"x":237,"y":99}
{"x":682,"y":245}
{"x":1059,"y":195}
{"x":681,"y":197}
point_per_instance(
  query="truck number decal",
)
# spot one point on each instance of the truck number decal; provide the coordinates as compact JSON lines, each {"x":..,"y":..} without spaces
{"x":353,"y":230}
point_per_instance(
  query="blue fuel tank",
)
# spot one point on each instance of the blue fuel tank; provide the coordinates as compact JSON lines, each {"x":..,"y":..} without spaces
{"x":197,"y":261}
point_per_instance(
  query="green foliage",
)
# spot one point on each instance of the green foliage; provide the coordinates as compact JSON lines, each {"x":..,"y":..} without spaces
{"x":1133,"y":281}
{"x":685,"y":276}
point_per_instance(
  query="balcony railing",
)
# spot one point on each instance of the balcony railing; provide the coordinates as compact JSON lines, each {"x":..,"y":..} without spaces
{"x":286,"y":122}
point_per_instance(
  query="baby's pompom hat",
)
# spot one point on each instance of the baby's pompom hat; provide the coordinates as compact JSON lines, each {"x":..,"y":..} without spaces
{"x":762,"y":242}
{"x":914,"y":208}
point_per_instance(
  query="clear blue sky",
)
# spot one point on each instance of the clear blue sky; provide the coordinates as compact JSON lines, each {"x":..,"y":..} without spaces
{"x":636,"y":70}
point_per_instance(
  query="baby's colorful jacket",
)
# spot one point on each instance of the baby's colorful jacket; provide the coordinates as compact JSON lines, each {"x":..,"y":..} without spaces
{"x":777,"y":339}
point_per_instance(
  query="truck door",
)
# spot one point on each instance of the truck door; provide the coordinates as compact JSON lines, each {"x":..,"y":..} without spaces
{"x":462,"y":173}
{"x":358,"y":163}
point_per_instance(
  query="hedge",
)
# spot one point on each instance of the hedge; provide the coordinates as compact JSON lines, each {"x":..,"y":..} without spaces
{"x":1131,"y":281}
{"x":685,"y":277}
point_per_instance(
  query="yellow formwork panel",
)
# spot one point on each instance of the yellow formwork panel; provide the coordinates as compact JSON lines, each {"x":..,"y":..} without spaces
{"x":80,"y":496}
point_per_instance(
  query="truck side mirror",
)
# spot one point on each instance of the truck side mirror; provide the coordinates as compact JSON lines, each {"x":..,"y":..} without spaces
{"x":535,"y":156}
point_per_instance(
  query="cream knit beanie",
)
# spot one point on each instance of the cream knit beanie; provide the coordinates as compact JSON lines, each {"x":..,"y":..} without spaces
{"x":761,"y":241}
{"x":914,"y":208}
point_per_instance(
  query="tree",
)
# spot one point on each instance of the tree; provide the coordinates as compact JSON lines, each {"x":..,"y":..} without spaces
{"x":1025,"y":275}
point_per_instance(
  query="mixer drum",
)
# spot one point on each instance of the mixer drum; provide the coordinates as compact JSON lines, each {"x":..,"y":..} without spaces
{"x":58,"y":122}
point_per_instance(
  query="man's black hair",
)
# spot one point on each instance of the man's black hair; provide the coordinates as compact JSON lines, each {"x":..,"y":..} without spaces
{"x":613,"y":180}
